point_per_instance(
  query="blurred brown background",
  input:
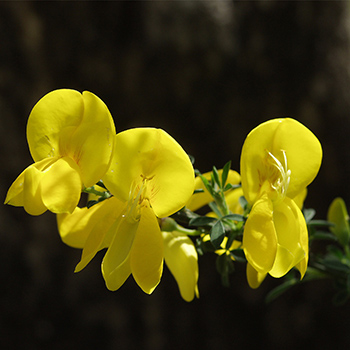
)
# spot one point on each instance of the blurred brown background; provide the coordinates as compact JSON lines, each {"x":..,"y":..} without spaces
{"x":207,"y":72}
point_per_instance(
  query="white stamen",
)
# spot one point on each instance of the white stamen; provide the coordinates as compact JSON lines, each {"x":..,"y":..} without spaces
{"x":283,"y":180}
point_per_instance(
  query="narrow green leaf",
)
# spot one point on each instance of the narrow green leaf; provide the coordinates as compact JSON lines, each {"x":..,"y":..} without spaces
{"x":225,"y":172}
{"x":217,"y":234}
{"x":207,"y":184}
{"x":321,"y":236}
{"x":279,"y":290}
{"x":234,"y":217}
{"x":320,"y":223}
{"x":338,"y":214}
{"x":335,"y":265}
{"x":243,"y":202}
{"x":215,"y":176}
{"x":214,"y":207}
{"x":101,"y":184}
{"x":230,"y":187}
{"x":202,"y":221}
{"x":91,"y":203}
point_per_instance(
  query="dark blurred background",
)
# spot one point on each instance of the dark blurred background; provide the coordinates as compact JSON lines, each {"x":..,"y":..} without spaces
{"x":207,"y":72}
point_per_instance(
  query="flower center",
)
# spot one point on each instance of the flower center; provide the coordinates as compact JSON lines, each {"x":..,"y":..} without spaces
{"x":279,"y":175}
{"x":137,"y":194}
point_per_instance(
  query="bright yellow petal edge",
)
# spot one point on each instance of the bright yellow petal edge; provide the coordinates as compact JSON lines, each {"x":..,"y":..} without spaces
{"x":71,"y":138}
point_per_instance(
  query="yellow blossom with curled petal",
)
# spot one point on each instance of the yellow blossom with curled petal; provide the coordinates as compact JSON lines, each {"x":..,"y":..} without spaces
{"x":150,"y":177}
{"x":70,"y":137}
{"x":279,"y":159}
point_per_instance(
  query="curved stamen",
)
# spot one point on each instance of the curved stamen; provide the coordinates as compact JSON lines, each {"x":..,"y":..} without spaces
{"x":280,"y":185}
{"x":136,"y":196}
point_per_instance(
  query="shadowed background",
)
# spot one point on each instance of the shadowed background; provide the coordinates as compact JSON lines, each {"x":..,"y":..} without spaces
{"x":207,"y":73}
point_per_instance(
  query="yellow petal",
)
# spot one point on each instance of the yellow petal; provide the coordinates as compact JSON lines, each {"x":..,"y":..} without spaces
{"x":147,"y":253}
{"x":253,"y":153}
{"x":26,"y":191}
{"x":32,"y":196}
{"x":15,"y":193}
{"x":200,"y":199}
{"x":232,"y":200}
{"x":52,"y":114}
{"x":291,"y":231}
{"x":116,"y":262}
{"x":259,"y":237}
{"x":61,"y":186}
{"x":254,"y":277}
{"x":182,"y":260}
{"x":304,"y":153}
{"x":103,"y":227}
{"x":152,"y":154}
{"x":75,"y":228}
{"x":300,"y":198}
{"x":118,"y":276}
{"x":91,"y":144}
{"x":302,"y":149}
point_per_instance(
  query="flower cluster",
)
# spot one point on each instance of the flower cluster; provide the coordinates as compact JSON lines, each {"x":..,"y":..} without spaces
{"x":145,"y":205}
{"x":74,"y":145}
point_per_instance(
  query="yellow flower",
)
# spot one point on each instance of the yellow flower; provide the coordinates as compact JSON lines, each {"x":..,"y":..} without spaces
{"x":150,"y":177}
{"x":70,"y":137}
{"x":279,"y":159}
{"x":181,"y":257}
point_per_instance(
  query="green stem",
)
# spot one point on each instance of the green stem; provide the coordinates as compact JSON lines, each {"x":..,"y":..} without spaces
{"x":91,"y":190}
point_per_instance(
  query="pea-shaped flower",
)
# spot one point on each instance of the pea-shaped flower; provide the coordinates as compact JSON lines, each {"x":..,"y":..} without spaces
{"x":279,"y":159}
{"x":70,"y":138}
{"x":150,"y":177}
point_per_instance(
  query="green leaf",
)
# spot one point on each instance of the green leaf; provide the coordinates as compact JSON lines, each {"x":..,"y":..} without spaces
{"x":200,"y":190}
{"x":91,"y":203}
{"x":279,"y":290}
{"x":338,"y":214}
{"x":309,"y":214}
{"x":214,"y":207}
{"x":217,"y":234}
{"x":224,"y":173}
{"x":334,"y":265}
{"x":202,"y":221}
{"x":225,"y":267}
{"x":321,"y":236}
{"x":101,"y":184}
{"x":320,"y":223}
{"x":207,"y":184}
{"x":215,"y":176}
{"x":183,"y":216}
{"x":313,"y":274}
{"x":238,"y":255}
{"x":234,"y":217}
{"x":243,"y":202}
{"x":230,"y":187}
